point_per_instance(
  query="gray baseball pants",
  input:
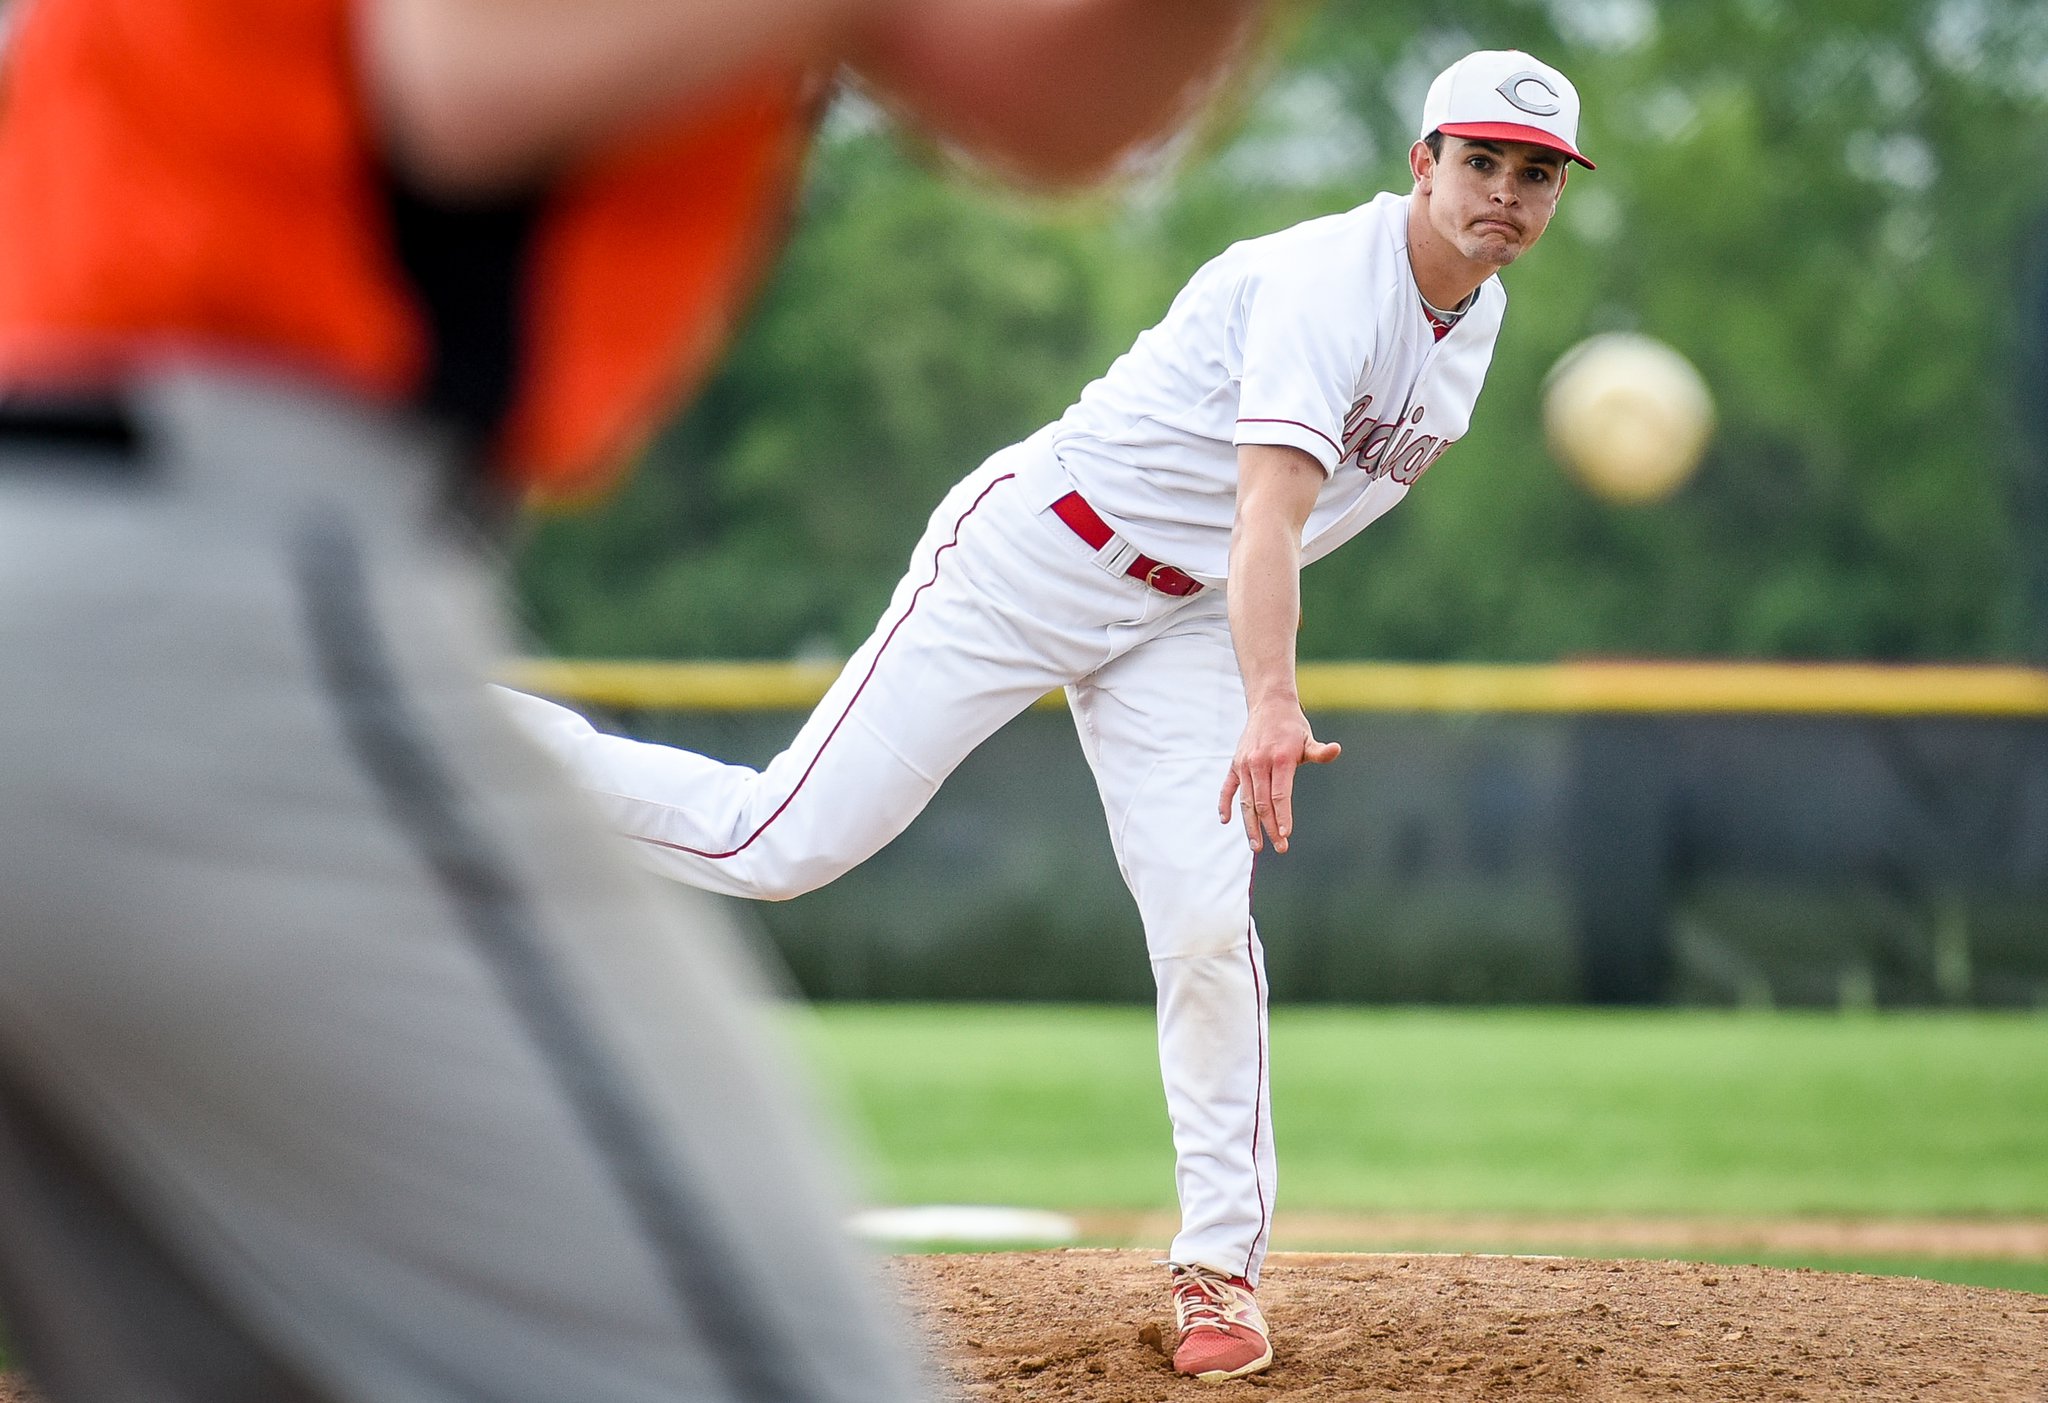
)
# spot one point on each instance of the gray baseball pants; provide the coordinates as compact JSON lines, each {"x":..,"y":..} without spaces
{"x":343,"y":1057}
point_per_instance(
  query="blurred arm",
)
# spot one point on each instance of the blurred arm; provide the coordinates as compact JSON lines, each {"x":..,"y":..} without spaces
{"x":1052,"y":92}
{"x":477,"y":94}
{"x":480,"y":94}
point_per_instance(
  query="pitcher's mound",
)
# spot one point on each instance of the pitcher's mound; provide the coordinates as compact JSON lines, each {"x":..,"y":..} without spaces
{"x":1096,"y":1327}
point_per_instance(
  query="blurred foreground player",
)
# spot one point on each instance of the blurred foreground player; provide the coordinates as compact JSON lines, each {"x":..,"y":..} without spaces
{"x":340,"y":1059}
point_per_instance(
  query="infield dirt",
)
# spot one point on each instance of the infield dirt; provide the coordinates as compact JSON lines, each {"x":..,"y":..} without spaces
{"x":1095,"y":1327}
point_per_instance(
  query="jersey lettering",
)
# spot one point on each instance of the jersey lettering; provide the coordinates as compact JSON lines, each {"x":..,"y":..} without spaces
{"x":1249,"y":353}
{"x":1390,"y":448}
{"x":1356,"y":420}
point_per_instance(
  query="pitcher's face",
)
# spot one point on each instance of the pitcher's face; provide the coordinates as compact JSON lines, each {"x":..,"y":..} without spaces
{"x":1490,"y":200}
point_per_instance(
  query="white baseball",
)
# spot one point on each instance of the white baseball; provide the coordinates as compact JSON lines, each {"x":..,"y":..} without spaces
{"x":1628,"y":415}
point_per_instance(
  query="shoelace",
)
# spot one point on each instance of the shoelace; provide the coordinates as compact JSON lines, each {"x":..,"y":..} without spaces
{"x":1204,"y":1298}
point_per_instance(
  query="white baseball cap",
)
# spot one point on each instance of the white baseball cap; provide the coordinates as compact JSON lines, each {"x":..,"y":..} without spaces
{"x":1505,"y":95}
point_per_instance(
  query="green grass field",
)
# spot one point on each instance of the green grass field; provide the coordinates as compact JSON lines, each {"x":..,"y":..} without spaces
{"x":1559,"y":1113}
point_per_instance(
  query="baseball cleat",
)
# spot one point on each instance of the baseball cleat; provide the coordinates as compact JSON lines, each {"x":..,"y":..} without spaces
{"x":1222,"y":1334}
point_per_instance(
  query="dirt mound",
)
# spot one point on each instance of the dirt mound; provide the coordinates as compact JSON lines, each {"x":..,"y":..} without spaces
{"x":1095,"y":1327}
{"x":1078,"y":1327}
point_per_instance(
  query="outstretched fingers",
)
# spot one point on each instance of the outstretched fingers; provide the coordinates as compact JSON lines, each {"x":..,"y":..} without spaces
{"x":1261,"y":780}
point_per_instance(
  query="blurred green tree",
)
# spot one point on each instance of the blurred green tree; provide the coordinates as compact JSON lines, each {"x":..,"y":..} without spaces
{"x":1827,"y":207}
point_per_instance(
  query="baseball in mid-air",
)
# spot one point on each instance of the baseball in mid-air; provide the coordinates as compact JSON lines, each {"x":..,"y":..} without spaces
{"x":1628,"y":416}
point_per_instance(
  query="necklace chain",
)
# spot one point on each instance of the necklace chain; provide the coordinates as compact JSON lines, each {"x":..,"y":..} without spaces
{"x":1441,"y":315}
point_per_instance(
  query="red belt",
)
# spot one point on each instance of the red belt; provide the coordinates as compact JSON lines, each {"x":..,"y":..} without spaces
{"x":1082,"y":520}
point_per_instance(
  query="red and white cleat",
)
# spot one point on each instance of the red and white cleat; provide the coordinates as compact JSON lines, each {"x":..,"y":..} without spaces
{"x":1222,"y":1334}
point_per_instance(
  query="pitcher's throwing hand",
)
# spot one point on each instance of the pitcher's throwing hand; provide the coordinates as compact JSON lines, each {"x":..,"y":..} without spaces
{"x":1261,"y":776}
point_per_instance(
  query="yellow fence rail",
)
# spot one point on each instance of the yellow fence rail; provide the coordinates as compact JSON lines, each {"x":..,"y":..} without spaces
{"x":1562,"y":688}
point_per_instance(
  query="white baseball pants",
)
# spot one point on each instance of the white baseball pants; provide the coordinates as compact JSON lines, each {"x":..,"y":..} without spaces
{"x":1002,"y":603}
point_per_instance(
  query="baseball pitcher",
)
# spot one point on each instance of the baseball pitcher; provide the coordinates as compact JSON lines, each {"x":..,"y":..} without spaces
{"x":1144,"y":553}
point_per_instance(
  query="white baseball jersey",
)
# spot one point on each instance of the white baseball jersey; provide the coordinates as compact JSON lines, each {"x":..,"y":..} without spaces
{"x":1313,"y":337}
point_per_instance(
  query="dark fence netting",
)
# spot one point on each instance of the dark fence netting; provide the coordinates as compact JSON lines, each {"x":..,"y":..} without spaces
{"x":1791,"y":861}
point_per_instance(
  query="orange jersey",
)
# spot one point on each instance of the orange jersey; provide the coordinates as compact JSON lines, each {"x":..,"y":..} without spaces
{"x":202,"y":178}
